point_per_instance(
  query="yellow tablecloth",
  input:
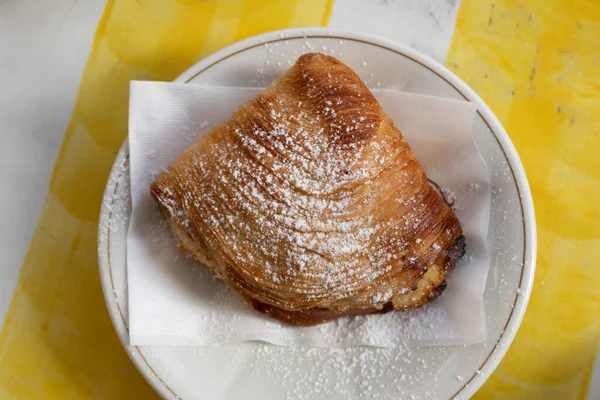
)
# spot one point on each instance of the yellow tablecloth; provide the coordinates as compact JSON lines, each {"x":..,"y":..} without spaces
{"x":536,"y":63}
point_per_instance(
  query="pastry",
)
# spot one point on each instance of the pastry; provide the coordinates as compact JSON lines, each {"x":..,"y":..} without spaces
{"x":310,"y":204}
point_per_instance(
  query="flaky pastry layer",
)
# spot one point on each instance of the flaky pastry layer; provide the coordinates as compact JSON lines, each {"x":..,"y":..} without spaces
{"x":310,"y":204}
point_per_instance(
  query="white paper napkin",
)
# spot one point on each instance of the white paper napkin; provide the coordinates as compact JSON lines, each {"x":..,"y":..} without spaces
{"x":173,"y":301}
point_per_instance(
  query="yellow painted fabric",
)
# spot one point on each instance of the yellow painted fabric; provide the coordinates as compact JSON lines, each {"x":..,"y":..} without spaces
{"x":57,"y":341}
{"x":537,"y":65}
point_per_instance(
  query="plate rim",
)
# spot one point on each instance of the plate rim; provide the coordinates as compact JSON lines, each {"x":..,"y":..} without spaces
{"x":522,"y":296}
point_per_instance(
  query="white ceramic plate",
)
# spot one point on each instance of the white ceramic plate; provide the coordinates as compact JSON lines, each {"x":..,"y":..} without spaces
{"x":260,"y":371}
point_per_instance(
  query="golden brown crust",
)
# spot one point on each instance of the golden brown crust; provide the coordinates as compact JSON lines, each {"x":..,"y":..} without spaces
{"x":310,"y":203}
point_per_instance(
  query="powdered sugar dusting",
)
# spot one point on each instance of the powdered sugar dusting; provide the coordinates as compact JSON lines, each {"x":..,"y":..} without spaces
{"x":307,"y":374}
{"x":117,"y":208}
{"x":292,"y":198}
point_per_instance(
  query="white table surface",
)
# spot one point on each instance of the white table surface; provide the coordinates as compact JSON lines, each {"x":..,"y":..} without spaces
{"x":43,"y":49}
